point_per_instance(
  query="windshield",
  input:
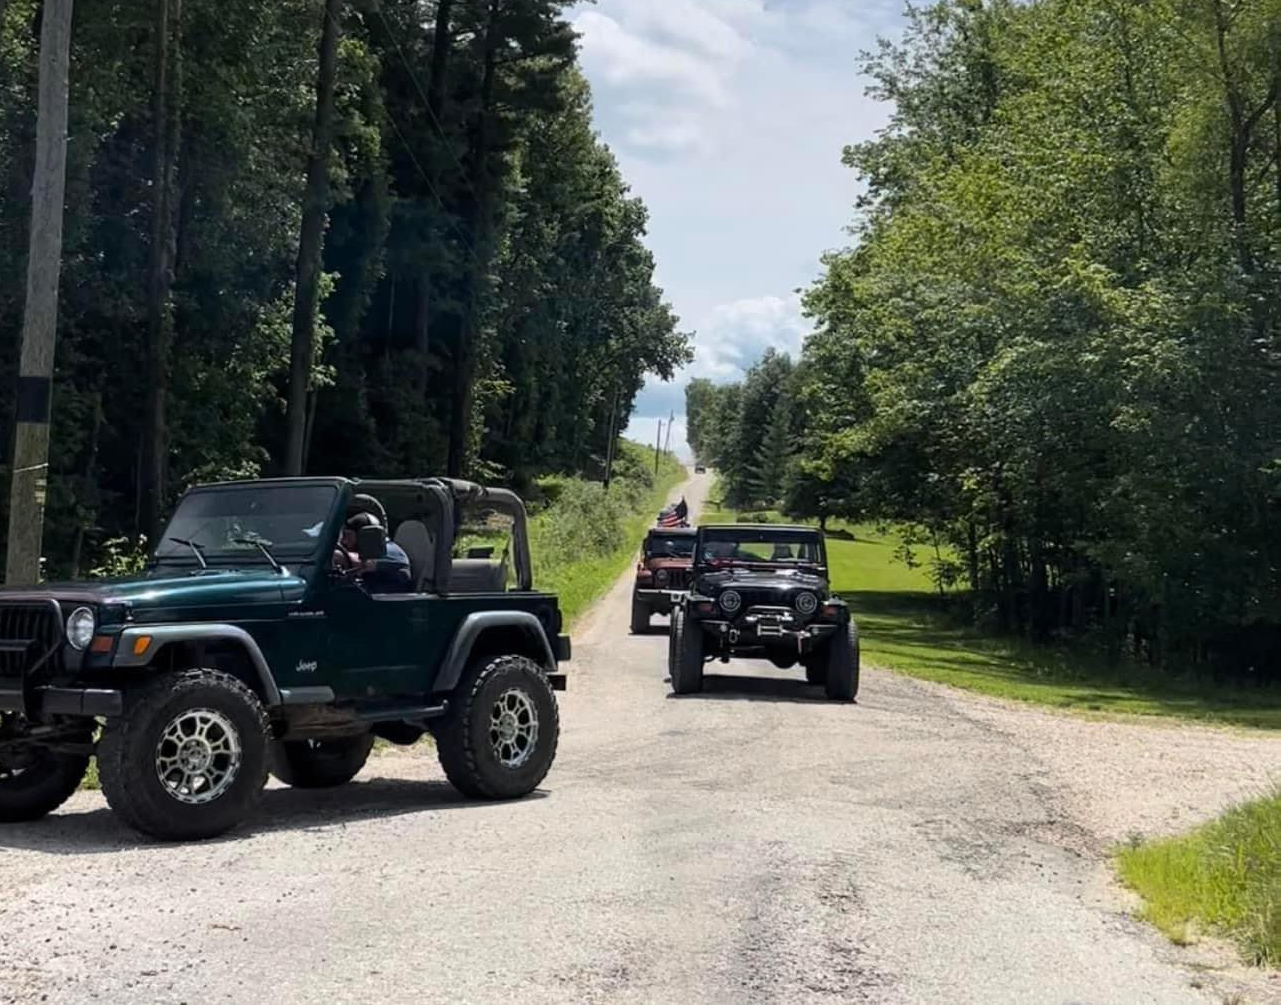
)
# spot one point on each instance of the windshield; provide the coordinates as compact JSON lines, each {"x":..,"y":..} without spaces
{"x":669,"y":546}
{"x":221,"y":522}
{"x":761,"y":546}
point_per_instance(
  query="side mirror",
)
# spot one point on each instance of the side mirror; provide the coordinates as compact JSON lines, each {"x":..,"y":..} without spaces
{"x":371,"y":544}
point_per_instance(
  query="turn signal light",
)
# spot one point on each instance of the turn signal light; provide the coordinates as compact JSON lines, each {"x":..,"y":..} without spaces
{"x":830,"y":610}
{"x":706,"y":608}
{"x":141,"y":644}
{"x":100,"y":644}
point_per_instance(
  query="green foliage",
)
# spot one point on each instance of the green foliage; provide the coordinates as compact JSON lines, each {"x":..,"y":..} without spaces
{"x":585,"y":537}
{"x":121,"y":557}
{"x":1054,"y":349}
{"x":484,"y":264}
{"x":1224,"y":878}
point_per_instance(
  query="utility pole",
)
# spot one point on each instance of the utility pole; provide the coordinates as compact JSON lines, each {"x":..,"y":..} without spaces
{"x":658,"y":444}
{"x":667,"y":444}
{"x":613,"y":435}
{"x":40,"y":320}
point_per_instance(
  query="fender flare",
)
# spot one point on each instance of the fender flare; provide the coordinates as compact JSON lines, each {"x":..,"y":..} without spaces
{"x":459,"y":652}
{"x":162,"y":635}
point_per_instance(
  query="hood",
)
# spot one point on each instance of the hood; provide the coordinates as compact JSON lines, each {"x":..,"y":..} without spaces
{"x":668,"y":562}
{"x":781,"y":579}
{"x":171,"y":590}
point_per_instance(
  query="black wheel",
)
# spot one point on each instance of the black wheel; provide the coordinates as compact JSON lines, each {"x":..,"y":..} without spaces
{"x":841,"y":676}
{"x":816,"y":670}
{"x":781,"y":661}
{"x":685,"y":655}
{"x":640,"y":617}
{"x":188,"y":760}
{"x":35,"y":781}
{"x":500,"y":737}
{"x":320,"y":764}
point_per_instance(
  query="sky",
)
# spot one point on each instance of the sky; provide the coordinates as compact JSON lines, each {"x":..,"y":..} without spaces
{"x":728,"y":118}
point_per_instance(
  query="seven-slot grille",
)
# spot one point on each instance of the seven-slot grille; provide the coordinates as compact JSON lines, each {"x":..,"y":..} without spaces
{"x":677,"y":579}
{"x":762,"y":598}
{"x":29,"y":631}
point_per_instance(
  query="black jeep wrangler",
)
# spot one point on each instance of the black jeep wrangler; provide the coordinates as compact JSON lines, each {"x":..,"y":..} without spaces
{"x":263,"y":637}
{"x":762,"y":592}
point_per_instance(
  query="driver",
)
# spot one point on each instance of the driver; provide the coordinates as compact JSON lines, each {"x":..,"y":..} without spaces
{"x":389,"y":574}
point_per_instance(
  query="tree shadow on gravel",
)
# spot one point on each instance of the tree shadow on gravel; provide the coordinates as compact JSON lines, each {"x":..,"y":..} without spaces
{"x":282,"y":809}
{"x":739,"y":687}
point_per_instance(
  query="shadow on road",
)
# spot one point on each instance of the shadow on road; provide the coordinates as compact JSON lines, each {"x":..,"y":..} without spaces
{"x":653,"y":630}
{"x":98,"y":830}
{"x":738,"y":687}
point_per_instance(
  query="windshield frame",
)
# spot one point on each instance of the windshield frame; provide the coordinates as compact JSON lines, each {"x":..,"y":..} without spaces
{"x":658,"y":536}
{"x":760,"y":534}
{"x":329,"y":496}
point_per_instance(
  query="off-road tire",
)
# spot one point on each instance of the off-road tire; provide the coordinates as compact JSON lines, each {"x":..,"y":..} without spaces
{"x":320,"y":764}
{"x":640,"y":617}
{"x":685,"y":655}
{"x":464,"y":742}
{"x":842,"y":665}
{"x":43,"y":785}
{"x":816,"y":669}
{"x":127,"y":756}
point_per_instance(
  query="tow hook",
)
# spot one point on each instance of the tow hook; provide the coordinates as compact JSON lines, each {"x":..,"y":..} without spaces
{"x":733,"y":636}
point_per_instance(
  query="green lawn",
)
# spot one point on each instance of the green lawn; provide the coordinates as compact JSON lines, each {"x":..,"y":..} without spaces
{"x":904,"y":626}
{"x":1223,"y":878}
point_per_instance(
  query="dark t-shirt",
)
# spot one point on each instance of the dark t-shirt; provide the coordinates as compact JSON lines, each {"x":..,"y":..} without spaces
{"x":390,"y":574}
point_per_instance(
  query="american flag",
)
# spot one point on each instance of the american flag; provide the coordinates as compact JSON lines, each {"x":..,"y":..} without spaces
{"x":668,"y":518}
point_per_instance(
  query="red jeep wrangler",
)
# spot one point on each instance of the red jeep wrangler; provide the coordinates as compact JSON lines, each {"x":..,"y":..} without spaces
{"x":662,"y":576}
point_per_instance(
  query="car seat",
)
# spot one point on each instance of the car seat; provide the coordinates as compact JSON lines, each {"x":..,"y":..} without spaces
{"x":418,"y":543}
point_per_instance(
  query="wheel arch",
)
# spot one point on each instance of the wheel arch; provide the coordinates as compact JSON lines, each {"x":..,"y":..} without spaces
{"x":214,"y":647}
{"x":493,"y":633}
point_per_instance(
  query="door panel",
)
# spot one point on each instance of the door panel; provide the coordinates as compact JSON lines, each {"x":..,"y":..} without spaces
{"x":374,"y":643}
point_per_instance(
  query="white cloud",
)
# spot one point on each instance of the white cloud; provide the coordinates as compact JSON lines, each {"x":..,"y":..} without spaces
{"x":736,"y":335}
{"x":624,"y":58}
{"x":728,"y":118}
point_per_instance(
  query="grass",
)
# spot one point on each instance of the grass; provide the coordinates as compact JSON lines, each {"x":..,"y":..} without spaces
{"x":905,"y":626}
{"x":1223,"y":878}
{"x":584,"y":541}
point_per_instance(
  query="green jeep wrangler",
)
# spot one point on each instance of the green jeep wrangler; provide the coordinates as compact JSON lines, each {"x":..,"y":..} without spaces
{"x":248,"y":648}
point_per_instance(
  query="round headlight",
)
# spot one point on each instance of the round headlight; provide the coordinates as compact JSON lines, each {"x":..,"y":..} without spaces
{"x":806,"y":603}
{"x":80,"y":628}
{"x":731,"y":601}
{"x":661,"y":575}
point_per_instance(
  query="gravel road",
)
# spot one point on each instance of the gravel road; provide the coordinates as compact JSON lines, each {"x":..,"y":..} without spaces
{"x":753,"y":844}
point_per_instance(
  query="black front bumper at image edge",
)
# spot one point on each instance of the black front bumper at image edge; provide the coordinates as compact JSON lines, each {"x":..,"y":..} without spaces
{"x":61,"y":701}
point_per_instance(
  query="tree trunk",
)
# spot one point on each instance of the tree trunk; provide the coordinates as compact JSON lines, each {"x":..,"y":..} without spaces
{"x":40,"y":316}
{"x":422,"y":333}
{"x":91,"y":465}
{"x":311,"y":243}
{"x":442,"y":42}
{"x":469,"y":329}
{"x":166,"y":116}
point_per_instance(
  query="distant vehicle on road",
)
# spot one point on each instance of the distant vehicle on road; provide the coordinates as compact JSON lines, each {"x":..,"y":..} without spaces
{"x":700,"y":469}
{"x":268,"y":635}
{"x":662,"y":575}
{"x":762,"y":592}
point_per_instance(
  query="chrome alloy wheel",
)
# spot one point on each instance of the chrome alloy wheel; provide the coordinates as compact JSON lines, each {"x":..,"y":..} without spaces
{"x":198,"y":756}
{"x":513,"y":727}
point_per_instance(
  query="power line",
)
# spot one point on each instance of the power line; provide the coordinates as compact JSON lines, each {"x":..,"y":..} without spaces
{"x":440,"y":129}
{"x":463,"y":238}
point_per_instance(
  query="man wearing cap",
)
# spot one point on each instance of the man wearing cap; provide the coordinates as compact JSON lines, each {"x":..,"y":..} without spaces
{"x":389,"y":574}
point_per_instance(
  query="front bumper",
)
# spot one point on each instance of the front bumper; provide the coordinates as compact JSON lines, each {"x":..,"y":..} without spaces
{"x":42,"y":701}
{"x":660,"y":600}
{"x":782,"y":630}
